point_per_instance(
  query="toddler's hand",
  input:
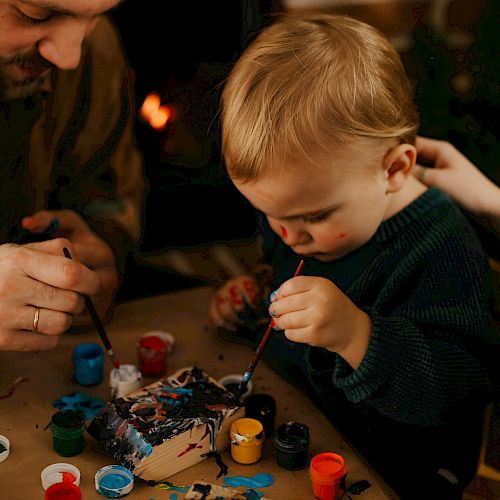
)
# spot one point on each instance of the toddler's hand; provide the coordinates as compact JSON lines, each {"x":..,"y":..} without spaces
{"x":232,"y":299}
{"x":314,"y":311}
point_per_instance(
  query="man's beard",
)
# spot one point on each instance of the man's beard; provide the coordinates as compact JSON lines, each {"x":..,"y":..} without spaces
{"x":16,"y":87}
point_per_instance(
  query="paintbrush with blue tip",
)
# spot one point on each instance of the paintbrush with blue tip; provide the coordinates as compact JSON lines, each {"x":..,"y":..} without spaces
{"x":260,"y":348}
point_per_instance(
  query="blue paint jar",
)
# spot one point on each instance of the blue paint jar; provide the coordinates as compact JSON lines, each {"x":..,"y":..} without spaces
{"x":114,"y":481}
{"x":292,"y":445}
{"x":88,"y":360}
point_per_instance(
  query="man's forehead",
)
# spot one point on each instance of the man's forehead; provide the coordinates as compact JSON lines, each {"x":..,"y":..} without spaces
{"x":71,"y":7}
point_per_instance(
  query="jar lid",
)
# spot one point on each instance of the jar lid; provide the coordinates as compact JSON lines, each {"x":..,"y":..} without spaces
{"x":5,"y":446}
{"x":60,"y":473}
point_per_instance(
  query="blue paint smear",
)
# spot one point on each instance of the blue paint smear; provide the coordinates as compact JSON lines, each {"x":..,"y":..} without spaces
{"x":173,"y":496}
{"x":252,"y":494}
{"x":80,"y":401}
{"x":257,"y":481}
{"x":114,"y":481}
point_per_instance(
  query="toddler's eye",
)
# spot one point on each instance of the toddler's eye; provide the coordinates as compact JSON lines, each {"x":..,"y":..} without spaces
{"x":314,"y":219}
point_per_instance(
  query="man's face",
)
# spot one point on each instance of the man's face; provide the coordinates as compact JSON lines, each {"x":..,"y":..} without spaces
{"x":325,"y":210}
{"x":39,"y":35}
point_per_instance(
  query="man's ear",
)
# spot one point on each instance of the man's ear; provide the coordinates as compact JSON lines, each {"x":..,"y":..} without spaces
{"x":398,"y":163}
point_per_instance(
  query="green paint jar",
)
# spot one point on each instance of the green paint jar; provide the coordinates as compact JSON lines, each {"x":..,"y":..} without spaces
{"x":67,"y":432}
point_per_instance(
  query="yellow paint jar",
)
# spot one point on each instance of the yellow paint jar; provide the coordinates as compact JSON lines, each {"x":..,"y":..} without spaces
{"x":247,"y":436}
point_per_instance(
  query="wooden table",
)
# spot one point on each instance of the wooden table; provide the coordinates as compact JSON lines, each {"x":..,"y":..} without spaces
{"x":25,"y":414}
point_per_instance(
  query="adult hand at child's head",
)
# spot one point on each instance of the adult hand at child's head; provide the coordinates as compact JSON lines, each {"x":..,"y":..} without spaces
{"x":454,"y":174}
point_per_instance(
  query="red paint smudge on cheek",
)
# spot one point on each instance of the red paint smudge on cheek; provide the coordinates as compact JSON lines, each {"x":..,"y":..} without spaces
{"x":340,"y":236}
{"x":284,"y":233}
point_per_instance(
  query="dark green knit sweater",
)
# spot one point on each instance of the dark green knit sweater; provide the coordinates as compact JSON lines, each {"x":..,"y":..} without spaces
{"x":423,"y":279}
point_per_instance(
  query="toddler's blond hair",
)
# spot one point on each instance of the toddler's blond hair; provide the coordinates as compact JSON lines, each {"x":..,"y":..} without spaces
{"x":308,"y":84}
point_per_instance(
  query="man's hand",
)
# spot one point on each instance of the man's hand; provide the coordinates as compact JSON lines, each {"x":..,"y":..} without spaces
{"x":87,"y":248}
{"x":38,"y":275}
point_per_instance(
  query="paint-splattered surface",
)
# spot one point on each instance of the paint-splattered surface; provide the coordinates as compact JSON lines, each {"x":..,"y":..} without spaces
{"x":130,"y":427}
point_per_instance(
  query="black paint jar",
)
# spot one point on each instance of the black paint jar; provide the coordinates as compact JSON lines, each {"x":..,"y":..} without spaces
{"x":292,"y":445}
{"x":262,"y":407}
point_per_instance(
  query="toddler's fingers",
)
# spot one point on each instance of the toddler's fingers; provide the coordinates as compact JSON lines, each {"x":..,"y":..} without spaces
{"x":288,"y":304}
{"x":251,"y":291}
{"x":294,"y":285}
{"x":225,"y":307}
{"x":292,"y":323}
{"x":216,"y":317}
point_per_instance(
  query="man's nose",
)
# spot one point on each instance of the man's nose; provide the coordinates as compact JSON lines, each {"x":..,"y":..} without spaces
{"x":62,"y":46}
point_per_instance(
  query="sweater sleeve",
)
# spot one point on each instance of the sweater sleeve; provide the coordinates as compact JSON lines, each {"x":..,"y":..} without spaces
{"x":426,"y":356}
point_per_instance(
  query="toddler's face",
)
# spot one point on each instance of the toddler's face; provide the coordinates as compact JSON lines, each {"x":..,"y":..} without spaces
{"x":323,"y":210}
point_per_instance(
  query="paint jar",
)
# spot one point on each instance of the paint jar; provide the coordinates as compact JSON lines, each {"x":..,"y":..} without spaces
{"x":88,"y":360}
{"x":262,"y":407}
{"x":114,"y":481}
{"x":67,"y":432}
{"x":124,"y":380}
{"x":152,"y":351}
{"x":292,"y":445}
{"x":327,"y":472}
{"x":232,"y":383}
{"x":247,"y":436}
{"x":4,"y":448}
{"x":62,"y":491}
{"x":60,"y":473}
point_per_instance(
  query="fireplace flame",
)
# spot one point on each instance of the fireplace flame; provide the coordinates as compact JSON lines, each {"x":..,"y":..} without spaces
{"x":153,"y":113}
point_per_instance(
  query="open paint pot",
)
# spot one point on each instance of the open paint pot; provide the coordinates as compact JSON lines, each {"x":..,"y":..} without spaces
{"x":62,"y":491}
{"x":262,"y":407}
{"x":114,"y":481}
{"x":232,"y":383}
{"x":327,"y":472}
{"x":4,"y":448}
{"x":60,"y":473}
{"x":292,"y":445}
{"x":67,"y":432}
{"x":124,"y":380}
{"x":247,"y":436}
{"x":88,"y":360}
{"x":152,"y":351}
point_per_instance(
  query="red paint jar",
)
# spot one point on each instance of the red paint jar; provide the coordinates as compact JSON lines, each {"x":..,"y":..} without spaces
{"x":152,"y":354}
{"x":327,"y":472}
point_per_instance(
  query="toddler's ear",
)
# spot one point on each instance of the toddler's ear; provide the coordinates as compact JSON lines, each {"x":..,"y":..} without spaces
{"x":398,"y":163}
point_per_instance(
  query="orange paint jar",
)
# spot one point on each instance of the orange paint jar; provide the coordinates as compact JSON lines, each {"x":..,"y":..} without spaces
{"x":327,"y":472}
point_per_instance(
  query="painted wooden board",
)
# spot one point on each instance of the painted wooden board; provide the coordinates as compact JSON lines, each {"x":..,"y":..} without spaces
{"x":167,"y":426}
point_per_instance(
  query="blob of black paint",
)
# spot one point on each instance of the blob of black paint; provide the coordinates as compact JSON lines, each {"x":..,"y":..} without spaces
{"x":2,"y":448}
{"x":232,"y":387}
{"x":358,"y":487}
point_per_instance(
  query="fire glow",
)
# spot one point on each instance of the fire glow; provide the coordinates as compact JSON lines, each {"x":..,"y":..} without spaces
{"x":153,"y":113}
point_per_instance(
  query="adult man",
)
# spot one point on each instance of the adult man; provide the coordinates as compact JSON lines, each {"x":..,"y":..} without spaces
{"x":66,"y":152}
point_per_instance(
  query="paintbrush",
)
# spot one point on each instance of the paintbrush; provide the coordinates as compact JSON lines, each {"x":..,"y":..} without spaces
{"x":98,"y":323}
{"x":260,"y":348}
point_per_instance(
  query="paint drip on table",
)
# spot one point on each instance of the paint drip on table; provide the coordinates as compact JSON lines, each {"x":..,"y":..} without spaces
{"x":167,"y":426}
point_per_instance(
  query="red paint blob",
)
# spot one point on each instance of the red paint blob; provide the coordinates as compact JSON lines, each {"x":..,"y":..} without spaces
{"x":341,"y":235}
{"x":284,"y":233}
